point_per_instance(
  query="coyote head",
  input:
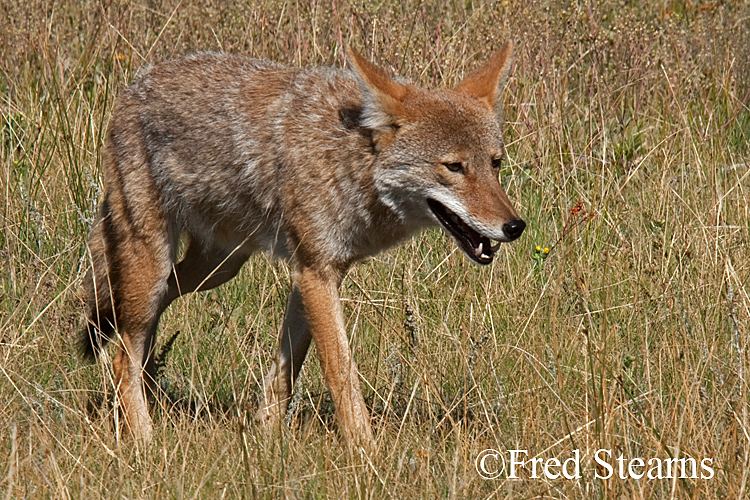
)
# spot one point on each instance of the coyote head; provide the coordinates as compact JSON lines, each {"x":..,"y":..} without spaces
{"x":439,"y":153}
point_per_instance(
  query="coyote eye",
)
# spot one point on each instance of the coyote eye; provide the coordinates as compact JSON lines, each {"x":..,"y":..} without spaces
{"x":497,"y":163}
{"x":455,"y":167}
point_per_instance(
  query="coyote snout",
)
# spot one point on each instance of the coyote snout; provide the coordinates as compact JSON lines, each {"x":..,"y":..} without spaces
{"x":322,"y":167}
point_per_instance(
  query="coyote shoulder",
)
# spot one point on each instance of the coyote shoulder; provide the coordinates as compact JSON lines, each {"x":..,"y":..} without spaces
{"x":322,"y":167}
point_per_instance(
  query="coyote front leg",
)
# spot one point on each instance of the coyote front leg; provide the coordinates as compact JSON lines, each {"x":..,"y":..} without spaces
{"x":318,"y":296}
{"x":294,"y":341}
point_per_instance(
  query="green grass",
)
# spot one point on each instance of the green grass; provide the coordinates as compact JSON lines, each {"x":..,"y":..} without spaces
{"x":630,"y":335}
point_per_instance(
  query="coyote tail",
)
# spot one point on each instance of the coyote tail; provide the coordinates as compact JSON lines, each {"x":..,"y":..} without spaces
{"x":100,"y":324}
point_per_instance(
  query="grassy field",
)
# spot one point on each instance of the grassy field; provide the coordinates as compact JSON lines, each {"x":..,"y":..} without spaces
{"x":628,"y":132}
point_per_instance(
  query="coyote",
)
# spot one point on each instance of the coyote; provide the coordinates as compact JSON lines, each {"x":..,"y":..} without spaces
{"x":322,"y":167}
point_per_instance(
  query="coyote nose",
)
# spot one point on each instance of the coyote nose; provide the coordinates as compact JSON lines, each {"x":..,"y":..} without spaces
{"x":514,"y":228}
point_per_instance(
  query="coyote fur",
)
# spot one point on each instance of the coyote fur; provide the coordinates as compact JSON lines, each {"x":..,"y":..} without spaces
{"x":322,"y":167}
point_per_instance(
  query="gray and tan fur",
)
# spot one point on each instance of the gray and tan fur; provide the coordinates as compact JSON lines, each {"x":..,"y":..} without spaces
{"x":323,"y":167}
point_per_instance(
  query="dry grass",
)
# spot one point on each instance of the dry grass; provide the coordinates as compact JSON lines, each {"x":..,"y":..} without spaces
{"x":630,"y":335}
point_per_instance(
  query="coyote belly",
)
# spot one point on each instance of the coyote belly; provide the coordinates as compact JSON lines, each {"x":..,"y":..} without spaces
{"x":322,"y":167}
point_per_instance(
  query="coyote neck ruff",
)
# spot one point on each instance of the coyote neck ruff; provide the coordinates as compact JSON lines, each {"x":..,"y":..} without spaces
{"x":319,"y":166}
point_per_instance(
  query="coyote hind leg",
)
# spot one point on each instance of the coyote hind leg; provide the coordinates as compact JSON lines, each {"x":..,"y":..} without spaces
{"x":203,"y":268}
{"x":139,"y":250}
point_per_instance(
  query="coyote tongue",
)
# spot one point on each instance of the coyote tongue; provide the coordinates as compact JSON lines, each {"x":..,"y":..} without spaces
{"x":479,"y":248}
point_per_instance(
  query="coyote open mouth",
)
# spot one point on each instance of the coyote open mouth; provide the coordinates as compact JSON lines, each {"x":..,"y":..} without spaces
{"x":479,"y":248}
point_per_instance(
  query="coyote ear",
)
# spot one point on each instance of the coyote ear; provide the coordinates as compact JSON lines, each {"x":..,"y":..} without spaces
{"x":485,"y":82}
{"x":382,"y":96}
